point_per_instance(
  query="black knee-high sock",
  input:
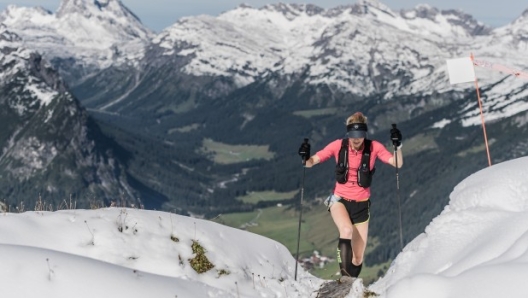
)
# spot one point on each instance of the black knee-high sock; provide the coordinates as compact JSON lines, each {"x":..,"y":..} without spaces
{"x":344,"y":256}
{"x":355,"y":270}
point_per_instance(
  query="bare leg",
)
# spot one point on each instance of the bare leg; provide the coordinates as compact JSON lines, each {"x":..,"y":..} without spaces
{"x":342,"y":220}
{"x":344,"y":246}
{"x":359,"y":242}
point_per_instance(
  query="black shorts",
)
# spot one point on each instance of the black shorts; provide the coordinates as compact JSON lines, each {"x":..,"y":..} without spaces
{"x":359,"y":212}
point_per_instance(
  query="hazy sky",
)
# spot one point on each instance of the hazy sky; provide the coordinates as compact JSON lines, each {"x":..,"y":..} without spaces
{"x":158,"y":14}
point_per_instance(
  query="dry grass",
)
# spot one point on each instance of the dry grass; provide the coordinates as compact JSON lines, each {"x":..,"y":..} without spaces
{"x":200,"y":263}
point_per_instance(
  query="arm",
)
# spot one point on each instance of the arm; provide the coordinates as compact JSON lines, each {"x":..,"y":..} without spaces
{"x":312,"y":161}
{"x":324,"y":154}
{"x":398,"y":157}
{"x":386,"y":156}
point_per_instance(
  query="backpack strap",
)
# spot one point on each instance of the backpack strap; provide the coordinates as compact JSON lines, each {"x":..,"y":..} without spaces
{"x":364,"y":172}
{"x":365,"y":158}
{"x":343,"y":154}
{"x":341,"y":170}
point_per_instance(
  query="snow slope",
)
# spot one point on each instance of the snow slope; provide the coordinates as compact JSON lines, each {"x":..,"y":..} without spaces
{"x":477,"y":247}
{"x":82,"y":253}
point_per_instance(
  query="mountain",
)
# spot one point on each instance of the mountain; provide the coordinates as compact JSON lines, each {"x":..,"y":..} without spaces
{"x":356,"y":49}
{"x":365,"y":49}
{"x":79,"y":40}
{"x":214,"y":108}
{"x":52,"y":153}
{"x":83,"y":36}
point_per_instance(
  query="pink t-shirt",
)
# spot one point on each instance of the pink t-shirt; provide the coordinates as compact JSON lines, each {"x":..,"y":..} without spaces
{"x":350,"y":190}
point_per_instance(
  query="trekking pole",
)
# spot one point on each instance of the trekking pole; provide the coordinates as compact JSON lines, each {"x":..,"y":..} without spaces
{"x":300,"y":220}
{"x":398,"y":190}
{"x":304,"y":152}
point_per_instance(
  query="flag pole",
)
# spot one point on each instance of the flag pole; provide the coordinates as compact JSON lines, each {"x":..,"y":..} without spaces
{"x":481,"y":114}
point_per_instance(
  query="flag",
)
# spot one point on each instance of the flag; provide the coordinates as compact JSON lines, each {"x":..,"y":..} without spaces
{"x":460,"y":70}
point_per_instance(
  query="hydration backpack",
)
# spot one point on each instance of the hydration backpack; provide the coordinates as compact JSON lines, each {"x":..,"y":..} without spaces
{"x":364,"y":174}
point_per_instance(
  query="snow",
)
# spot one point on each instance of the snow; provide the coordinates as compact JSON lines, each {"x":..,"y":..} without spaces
{"x":477,"y":247}
{"x":350,"y":50}
{"x":342,"y":47}
{"x":80,"y":29}
{"x":41,"y":91}
{"x":81,"y":253}
{"x":442,"y":123}
{"x":15,"y":58}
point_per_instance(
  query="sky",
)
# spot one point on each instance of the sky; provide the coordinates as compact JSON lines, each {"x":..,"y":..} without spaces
{"x":476,"y":247}
{"x":159,"y":14}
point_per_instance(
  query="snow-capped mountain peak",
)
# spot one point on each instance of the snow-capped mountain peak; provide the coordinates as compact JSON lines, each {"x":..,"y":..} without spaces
{"x":102,"y":9}
{"x":245,"y":43}
{"x":291,"y":11}
{"x":522,"y":20}
{"x":103,"y":29}
{"x":364,"y":48}
{"x":28,"y":16}
{"x":369,"y":4}
{"x":104,"y":23}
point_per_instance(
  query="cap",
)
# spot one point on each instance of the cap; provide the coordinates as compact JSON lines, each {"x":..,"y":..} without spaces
{"x":357,"y":130}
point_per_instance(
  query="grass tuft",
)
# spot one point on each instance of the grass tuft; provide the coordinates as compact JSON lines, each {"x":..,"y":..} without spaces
{"x":369,"y":294}
{"x":200,"y":263}
{"x":223,"y":272}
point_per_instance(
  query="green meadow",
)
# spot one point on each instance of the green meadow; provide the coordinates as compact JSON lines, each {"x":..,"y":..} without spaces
{"x":227,"y":154}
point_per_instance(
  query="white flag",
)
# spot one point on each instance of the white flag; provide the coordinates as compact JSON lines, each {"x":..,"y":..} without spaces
{"x":460,"y":70}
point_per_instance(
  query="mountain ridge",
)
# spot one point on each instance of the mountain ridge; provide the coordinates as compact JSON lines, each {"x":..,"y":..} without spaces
{"x":51,"y":140}
{"x":194,"y":38}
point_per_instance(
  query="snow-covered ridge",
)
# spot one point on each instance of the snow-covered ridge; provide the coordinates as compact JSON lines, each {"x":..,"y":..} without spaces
{"x":14,"y":58}
{"x":477,"y":247}
{"x":350,"y":46}
{"x":150,"y":248}
{"x":100,"y":32}
{"x":363,"y":48}
{"x":347,"y":46}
